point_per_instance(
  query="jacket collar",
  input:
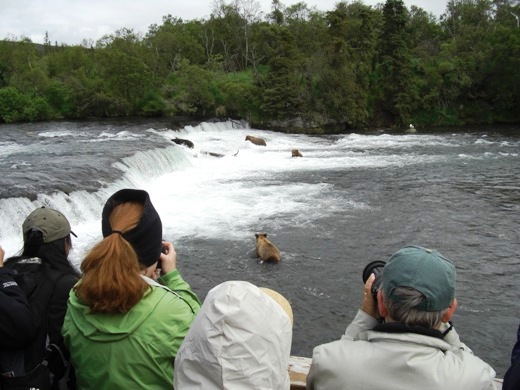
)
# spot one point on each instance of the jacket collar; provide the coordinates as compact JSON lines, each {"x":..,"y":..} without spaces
{"x":396,"y":327}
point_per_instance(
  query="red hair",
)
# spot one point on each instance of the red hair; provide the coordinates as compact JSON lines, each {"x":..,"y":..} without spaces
{"x":111,"y":281}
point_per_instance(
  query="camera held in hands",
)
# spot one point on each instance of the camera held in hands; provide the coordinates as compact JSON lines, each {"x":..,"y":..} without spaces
{"x":376,"y":268}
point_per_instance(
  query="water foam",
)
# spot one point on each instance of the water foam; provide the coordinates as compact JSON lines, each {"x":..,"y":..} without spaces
{"x":232,"y":196}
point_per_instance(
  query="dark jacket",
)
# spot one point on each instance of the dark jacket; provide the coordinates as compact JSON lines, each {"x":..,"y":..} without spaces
{"x":17,"y":328}
{"x":34,"y":278}
{"x":58,"y":307}
{"x":512,"y":376}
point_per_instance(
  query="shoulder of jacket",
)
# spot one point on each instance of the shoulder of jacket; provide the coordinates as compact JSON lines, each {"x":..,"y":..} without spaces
{"x":17,"y":261}
{"x":63,"y":283}
{"x":6,"y":272}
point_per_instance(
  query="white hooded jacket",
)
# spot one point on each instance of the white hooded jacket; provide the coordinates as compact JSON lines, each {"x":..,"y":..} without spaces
{"x":240,"y":339}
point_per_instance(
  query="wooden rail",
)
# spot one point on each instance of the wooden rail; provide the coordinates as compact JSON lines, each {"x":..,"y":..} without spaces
{"x":298,"y":370}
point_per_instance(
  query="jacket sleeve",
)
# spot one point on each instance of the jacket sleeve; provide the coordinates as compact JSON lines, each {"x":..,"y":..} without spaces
{"x":58,"y":307}
{"x":17,"y":328}
{"x":319,"y":372}
{"x":313,"y":375}
{"x":515,"y":354}
{"x":512,"y":375}
{"x":361,"y":322}
{"x":174,"y":281}
{"x":452,"y":337}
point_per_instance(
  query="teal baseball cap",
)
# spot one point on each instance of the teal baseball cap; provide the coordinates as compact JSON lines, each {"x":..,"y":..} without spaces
{"x":424,"y":270}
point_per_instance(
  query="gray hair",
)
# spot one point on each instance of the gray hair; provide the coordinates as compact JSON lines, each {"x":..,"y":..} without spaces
{"x":404,"y":309}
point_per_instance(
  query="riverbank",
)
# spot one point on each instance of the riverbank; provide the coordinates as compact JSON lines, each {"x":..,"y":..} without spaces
{"x":294,"y":126}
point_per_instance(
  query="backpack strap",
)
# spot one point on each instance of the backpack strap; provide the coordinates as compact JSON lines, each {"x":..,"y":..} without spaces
{"x":59,"y":366}
{"x":42,"y":296}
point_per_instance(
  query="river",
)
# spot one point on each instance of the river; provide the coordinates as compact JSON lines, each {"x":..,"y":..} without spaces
{"x":349,"y":200}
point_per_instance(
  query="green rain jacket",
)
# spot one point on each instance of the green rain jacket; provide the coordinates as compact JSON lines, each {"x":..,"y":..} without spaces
{"x":134,"y":350}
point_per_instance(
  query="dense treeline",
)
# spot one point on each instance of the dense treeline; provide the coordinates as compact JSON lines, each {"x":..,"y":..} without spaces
{"x":350,"y":67}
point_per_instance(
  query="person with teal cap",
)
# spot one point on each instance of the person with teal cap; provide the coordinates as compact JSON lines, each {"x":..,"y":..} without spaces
{"x":414,"y":346}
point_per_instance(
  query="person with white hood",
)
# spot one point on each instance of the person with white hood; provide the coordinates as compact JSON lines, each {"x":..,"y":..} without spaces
{"x":240,"y":339}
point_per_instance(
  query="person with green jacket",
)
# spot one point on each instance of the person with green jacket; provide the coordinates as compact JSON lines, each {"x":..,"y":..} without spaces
{"x":123,"y":327}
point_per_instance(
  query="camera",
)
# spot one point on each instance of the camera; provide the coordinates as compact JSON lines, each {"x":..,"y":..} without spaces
{"x":376,"y":268}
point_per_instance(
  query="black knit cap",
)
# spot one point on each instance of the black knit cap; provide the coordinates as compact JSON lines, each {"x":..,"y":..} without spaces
{"x":146,"y":237}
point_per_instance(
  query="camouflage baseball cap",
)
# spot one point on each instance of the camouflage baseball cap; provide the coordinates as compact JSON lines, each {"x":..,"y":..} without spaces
{"x":50,"y":222}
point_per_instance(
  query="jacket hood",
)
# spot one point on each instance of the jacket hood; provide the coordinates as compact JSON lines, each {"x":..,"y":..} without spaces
{"x":112,"y":326}
{"x":240,"y":339}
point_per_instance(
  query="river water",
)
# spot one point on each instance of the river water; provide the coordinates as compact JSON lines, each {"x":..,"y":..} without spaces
{"x":350,"y":200}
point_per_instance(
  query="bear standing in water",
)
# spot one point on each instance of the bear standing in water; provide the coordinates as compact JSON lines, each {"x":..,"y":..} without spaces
{"x":256,"y":140}
{"x":265,"y":249}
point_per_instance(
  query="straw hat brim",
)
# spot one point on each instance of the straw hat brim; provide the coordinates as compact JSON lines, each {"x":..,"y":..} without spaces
{"x":280,"y":299}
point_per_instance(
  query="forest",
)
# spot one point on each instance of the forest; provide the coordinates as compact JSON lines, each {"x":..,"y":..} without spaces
{"x":294,"y":69}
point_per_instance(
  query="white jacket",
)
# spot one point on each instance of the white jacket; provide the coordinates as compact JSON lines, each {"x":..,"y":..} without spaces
{"x":372,"y":360}
{"x":240,"y":339}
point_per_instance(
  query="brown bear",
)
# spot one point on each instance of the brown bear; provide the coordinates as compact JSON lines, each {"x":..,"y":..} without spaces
{"x":296,"y":153}
{"x":256,"y":140}
{"x":265,"y":249}
{"x":185,"y":142}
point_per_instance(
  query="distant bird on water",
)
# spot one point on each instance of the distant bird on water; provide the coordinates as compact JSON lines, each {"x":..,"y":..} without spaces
{"x":411,"y":129}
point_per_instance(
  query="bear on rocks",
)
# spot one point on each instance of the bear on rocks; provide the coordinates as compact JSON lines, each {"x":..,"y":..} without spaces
{"x":296,"y":153}
{"x":265,"y":249}
{"x":256,"y":140}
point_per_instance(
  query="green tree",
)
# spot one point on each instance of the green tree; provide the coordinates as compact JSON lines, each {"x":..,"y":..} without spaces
{"x":12,"y":105}
{"x":237,"y":95}
{"x":350,"y":52}
{"x":467,"y":26}
{"x":351,"y":66}
{"x":231,"y":25}
{"x":189,"y":90}
{"x":18,"y":107}
{"x":172,"y":42}
{"x":284,"y":85}
{"x":123,"y":67}
{"x":394,"y":101}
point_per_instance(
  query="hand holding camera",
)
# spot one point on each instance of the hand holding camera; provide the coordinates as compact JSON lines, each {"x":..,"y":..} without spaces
{"x":372,"y":276}
{"x":168,"y":259}
{"x":369,"y":304}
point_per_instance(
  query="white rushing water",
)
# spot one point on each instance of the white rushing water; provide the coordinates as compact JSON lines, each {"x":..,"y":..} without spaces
{"x":197,"y":194}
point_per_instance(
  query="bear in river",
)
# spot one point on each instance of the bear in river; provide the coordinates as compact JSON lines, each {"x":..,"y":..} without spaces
{"x":185,"y":142}
{"x":265,"y":249}
{"x":256,"y":140}
{"x":296,"y":153}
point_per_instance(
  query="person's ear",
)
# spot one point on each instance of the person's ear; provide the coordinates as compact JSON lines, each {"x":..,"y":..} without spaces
{"x":449,"y":312}
{"x":383,"y":311}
